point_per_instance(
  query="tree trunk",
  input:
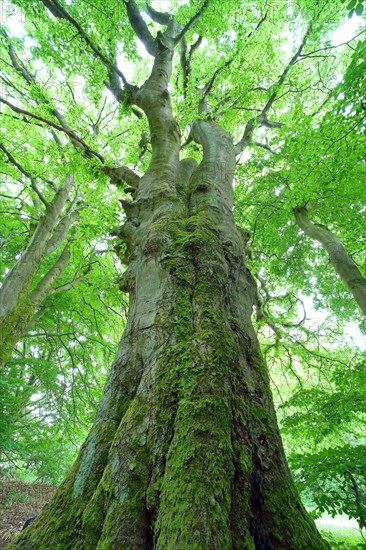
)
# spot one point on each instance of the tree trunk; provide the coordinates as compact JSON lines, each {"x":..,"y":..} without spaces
{"x":185,"y":451}
{"x":338,"y":256}
{"x":18,"y":301}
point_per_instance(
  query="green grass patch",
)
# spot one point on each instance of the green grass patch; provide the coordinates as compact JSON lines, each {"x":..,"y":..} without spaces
{"x":342,"y":536}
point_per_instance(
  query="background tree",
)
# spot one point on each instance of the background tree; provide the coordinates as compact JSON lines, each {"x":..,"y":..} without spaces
{"x":54,"y":238}
{"x":188,"y":378}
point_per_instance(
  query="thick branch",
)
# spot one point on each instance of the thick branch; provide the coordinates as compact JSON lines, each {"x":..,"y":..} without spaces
{"x":140,"y":27}
{"x":162,"y":18}
{"x":120,"y":174}
{"x":20,"y":277}
{"x":339,"y":258}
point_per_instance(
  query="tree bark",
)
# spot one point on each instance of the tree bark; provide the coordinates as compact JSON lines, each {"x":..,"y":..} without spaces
{"x":185,"y":451}
{"x":338,"y":256}
{"x":18,"y":301}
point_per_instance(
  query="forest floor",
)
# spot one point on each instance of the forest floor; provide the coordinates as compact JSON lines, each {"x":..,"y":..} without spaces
{"x":20,"y":501}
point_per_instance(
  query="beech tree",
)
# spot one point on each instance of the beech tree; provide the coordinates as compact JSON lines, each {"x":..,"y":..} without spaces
{"x":185,"y":451}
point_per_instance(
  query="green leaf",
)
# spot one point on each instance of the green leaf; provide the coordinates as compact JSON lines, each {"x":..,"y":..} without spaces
{"x":359,"y":9}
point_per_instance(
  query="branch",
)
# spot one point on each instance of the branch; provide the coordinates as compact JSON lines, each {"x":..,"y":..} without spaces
{"x":17,"y":66}
{"x":72,"y":283}
{"x":25,"y":173}
{"x":58,"y":11}
{"x":262,"y":119}
{"x":358,"y":499}
{"x":265,"y":146}
{"x":286,"y":70}
{"x":258,"y":24}
{"x":43,"y":288}
{"x":163,"y":18}
{"x":186,"y":62}
{"x":30,"y":79}
{"x":331,"y":47}
{"x":120,"y":174}
{"x":140,"y":27}
{"x":53,"y":125}
{"x":60,"y":232}
{"x":208,"y":87}
{"x":191,"y":22}
{"x":338,"y":256}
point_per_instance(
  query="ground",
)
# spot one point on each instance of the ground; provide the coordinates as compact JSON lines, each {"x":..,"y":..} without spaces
{"x":18,"y":502}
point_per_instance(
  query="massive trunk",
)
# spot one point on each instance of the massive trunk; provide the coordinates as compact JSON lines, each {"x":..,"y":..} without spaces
{"x":185,"y":451}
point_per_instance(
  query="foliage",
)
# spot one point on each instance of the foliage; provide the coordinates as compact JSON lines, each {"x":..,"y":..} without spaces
{"x":309,"y":150}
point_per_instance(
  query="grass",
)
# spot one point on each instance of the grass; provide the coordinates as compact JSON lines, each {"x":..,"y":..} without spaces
{"x":342,"y":537}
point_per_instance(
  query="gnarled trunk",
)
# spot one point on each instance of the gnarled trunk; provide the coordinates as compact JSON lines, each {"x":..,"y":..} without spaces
{"x":185,"y":451}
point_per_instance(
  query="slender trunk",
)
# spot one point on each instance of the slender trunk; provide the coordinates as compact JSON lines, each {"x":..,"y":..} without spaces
{"x":338,"y":256}
{"x":18,"y":303}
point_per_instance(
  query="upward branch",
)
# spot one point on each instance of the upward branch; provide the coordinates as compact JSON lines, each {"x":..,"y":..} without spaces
{"x":261,"y":119}
{"x":162,"y":18}
{"x":191,"y":22}
{"x":140,"y":27}
{"x":338,"y":256}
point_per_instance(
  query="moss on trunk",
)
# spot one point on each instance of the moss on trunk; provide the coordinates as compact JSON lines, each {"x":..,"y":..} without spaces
{"x":185,"y":451}
{"x":13,"y":325}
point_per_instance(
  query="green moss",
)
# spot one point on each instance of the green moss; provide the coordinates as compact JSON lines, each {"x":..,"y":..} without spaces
{"x":193,"y":377}
{"x":290,"y":525}
{"x":13,"y":325}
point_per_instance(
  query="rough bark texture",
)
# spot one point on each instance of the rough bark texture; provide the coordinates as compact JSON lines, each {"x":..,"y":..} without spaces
{"x":338,"y":256}
{"x":185,"y":451}
{"x":18,"y":300}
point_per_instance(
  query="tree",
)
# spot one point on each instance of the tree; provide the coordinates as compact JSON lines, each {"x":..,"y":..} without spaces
{"x":185,"y":450}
